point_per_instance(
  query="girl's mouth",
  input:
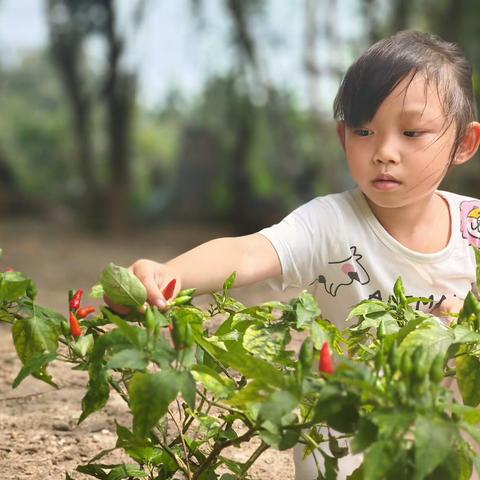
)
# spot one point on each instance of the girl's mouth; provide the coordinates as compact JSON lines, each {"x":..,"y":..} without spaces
{"x":385,"y":184}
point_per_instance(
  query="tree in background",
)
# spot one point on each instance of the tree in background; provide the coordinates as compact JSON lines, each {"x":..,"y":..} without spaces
{"x":71,"y":24}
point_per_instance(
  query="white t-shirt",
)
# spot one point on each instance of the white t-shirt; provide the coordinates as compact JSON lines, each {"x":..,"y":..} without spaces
{"x":336,"y":248}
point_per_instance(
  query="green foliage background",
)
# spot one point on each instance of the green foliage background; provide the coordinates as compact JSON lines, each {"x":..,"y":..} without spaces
{"x":290,"y":153}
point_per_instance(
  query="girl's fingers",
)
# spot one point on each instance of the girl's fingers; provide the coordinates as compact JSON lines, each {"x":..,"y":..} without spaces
{"x":158,"y":282}
{"x":154,"y":293}
{"x":116,"y":308}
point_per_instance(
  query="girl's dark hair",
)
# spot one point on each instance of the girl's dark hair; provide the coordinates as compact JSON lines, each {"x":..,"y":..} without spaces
{"x":385,"y":64}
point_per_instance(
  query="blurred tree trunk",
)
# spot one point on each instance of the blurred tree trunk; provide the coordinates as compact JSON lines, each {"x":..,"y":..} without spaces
{"x":66,"y":41}
{"x":71,"y":22}
{"x":119,"y":92}
{"x":319,"y":166}
{"x":243,"y":118}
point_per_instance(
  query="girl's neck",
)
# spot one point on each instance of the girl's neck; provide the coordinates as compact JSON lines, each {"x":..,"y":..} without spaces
{"x":424,"y":226}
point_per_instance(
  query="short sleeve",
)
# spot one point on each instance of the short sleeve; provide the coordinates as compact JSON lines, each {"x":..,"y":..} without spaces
{"x":301,"y":239}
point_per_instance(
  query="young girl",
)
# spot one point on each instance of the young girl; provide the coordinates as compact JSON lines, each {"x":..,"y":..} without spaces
{"x":406,"y":115}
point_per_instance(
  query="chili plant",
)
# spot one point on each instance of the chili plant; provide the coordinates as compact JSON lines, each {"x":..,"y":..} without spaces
{"x":195,"y":389}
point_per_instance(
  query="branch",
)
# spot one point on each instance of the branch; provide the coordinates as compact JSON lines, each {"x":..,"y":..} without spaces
{"x":218,"y":447}
{"x":184,"y":446}
{"x":263,"y":446}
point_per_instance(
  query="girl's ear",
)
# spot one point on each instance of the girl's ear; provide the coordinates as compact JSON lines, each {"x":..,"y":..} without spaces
{"x":341,"y":133}
{"x":469,"y":145}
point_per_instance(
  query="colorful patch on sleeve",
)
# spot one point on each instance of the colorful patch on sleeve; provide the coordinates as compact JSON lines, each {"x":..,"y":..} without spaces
{"x":470,"y":221}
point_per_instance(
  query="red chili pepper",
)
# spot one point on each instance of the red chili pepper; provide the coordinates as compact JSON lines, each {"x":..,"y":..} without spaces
{"x":85,"y":311}
{"x":74,"y":326}
{"x":325,"y":365}
{"x":76,"y":299}
{"x":169,"y":289}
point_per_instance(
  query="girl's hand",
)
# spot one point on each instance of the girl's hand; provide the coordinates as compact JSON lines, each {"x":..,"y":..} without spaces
{"x":159,"y":280}
{"x":155,"y":278}
{"x":446,"y":308}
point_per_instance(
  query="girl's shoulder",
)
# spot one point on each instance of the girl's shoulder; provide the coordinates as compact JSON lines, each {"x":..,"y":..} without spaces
{"x":456,"y":198}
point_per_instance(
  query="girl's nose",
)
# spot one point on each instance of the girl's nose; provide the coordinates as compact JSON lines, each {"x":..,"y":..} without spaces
{"x":386,"y":153}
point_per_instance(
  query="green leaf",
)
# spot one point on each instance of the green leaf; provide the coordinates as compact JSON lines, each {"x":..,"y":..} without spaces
{"x":122,"y":287}
{"x":464,"y":335}
{"x":221,"y":387}
{"x":34,"y":336}
{"x":229,"y":282}
{"x":126,"y":471}
{"x":319,"y":335}
{"x":93,"y":470}
{"x":378,"y":460}
{"x":457,"y":466}
{"x":433,"y":442}
{"x":134,"y":334}
{"x":163,"y":353}
{"x":469,"y":414}
{"x":468,"y":377}
{"x":188,"y":389}
{"x":367,"y":433}
{"x":150,"y":396}
{"x":128,"y":358}
{"x":306,"y":310}
{"x":84,"y":345}
{"x":280,"y":440}
{"x":251,"y":367}
{"x":367,"y":307}
{"x":392,"y":424}
{"x":434,"y":338}
{"x":97,"y":393}
{"x":36,"y":365}
{"x":266,"y":342}
{"x":97,"y":292}
{"x":13,"y":286}
{"x":278,"y":405}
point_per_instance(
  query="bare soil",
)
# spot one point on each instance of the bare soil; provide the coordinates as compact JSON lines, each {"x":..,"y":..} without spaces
{"x":39,"y":436}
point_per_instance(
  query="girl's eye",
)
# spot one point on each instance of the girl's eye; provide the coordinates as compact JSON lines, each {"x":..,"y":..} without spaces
{"x":363,"y":132}
{"x":412,"y":133}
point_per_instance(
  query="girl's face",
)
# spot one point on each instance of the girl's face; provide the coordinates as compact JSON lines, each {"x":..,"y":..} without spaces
{"x":403,"y":153}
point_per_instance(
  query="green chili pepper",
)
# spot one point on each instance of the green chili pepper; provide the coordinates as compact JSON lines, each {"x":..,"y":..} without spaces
{"x":306,"y":354}
{"x":436,"y":370}
{"x":406,"y":364}
{"x":399,"y":291}
{"x":181,"y":300}
{"x":149,"y":320}
{"x":381,"y":330}
{"x":420,"y":363}
{"x":182,"y":334}
{"x":189,"y":292}
{"x":393,"y":357}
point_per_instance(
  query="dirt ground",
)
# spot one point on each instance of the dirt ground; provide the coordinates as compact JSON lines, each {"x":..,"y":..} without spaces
{"x":39,"y":438}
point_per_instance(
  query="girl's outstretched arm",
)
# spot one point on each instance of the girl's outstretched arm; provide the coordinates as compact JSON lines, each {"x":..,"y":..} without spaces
{"x":207,"y":266}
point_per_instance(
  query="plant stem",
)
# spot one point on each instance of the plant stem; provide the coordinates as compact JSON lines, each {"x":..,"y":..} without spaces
{"x":217,"y":448}
{"x":117,"y":388}
{"x":184,"y":446}
{"x":263,"y":446}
